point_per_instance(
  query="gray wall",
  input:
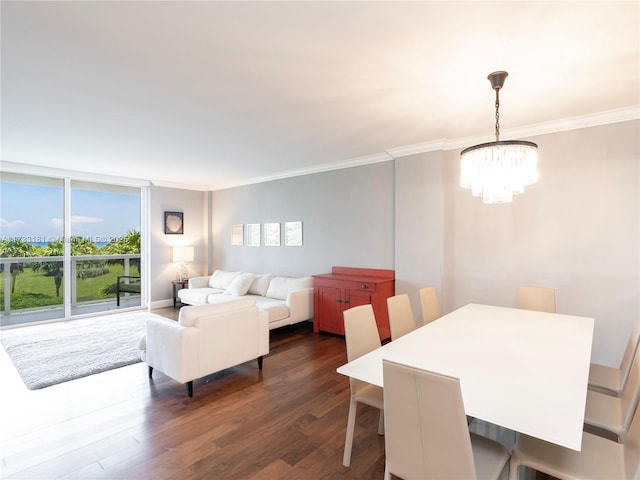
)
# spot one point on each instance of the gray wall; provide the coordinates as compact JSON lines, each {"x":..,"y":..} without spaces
{"x":420,"y":224}
{"x":347,"y":218}
{"x":162,"y":270}
{"x":577,"y":230}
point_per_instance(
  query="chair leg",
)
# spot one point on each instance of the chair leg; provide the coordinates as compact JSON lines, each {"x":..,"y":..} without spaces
{"x":513,"y":467}
{"x":150,"y":371}
{"x":351,"y":424}
{"x":190,"y":388}
{"x":381,"y":423}
{"x":260,"y":358}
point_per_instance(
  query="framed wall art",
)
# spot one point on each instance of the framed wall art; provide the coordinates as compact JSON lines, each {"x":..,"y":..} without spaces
{"x":253,"y":234}
{"x":173,"y":223}
{"x":237,"y":234}
{"x":293,"y":234}
{"x":272,"y":234}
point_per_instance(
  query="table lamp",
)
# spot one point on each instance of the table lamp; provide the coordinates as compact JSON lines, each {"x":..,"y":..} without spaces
{"x":182,"y":255}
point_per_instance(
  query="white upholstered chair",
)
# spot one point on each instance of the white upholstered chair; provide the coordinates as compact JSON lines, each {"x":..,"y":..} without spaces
{"x":426,"y":433}
{"x":401,"y":318}
{"x":612,"y":381}
{"x":430,"y":305}
{"x":206,"y":339}
{"x":614,"y":414}
{"x":598,"y":458}
{"x":540,"y":299}
{"x":361,"y":336}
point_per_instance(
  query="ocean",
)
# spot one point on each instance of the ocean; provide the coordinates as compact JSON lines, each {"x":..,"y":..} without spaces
{"x":44,"y":244}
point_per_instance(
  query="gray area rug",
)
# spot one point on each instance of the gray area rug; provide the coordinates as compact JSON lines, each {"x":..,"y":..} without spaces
{"x":45,"y":355}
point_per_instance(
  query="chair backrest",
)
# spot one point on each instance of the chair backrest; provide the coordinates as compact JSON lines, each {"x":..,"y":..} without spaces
{"x":361,"y":336}
{"x":629,"y":353}
{"x":629,"y":396}
{"x":430,"y":305}
{"x":631,"y":448}
{"x":426,"y":433}
{"x":401,"y":318}
{"x":541,"y":299}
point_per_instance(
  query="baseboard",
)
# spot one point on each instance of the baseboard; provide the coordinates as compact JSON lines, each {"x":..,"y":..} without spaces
{"x":161,"y":303}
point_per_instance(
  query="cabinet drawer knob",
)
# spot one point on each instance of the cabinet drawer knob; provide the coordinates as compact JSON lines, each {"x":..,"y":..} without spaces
{"x":339,"y":300}
{"x":364,"y":286}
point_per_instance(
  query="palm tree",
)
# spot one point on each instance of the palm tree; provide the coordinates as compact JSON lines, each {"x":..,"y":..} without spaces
{"x":52,"y":269}
{"x":79,"y":246}
{"x":128,"y":244}
{"x":13,"y":249}
{"x":83,"y":246}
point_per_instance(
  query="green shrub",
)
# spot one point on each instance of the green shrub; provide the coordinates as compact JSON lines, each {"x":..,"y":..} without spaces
{"x":92,"y":272}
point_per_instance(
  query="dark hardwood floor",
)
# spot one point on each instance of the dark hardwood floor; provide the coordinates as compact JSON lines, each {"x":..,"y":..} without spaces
{"x":287,"y":421}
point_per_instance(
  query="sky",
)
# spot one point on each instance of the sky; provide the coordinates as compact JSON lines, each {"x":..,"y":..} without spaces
{"x":34,"y":213}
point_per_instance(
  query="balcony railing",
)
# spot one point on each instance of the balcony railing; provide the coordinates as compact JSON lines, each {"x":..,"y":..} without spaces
{"x":32,"y":288}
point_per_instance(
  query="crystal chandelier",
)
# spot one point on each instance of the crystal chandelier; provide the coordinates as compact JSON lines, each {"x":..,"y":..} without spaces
{"x":498,"y":170}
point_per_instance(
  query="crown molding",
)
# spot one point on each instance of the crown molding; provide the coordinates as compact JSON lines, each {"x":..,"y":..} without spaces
{"x":443,"y":144}
{"x":326,"y":167}
{"x":30,"y":169}
{"x":431,"y":146}
{"x":554,"y":126}
{"x":180,"y":186}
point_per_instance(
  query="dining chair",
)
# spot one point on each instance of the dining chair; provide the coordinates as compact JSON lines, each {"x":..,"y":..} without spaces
{"x":614,"y":414}
{"x":401,"y":319}
{"x":598,"y":458}
{"x":540,"y":299}
{"x":426,"y":434}
{"x":361,"y":337}
{"x":610,"y":380}
{"x":430,"y":305}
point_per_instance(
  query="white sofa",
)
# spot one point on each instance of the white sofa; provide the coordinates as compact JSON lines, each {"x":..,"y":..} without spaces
{"x":206,"y":339}
{"x":286,"y":300}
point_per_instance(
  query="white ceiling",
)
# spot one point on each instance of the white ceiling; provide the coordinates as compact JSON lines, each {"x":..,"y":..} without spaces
{"x":215,"y":94}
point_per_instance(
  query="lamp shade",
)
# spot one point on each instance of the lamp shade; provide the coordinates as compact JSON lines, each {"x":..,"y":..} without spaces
{"x":183,"y":254}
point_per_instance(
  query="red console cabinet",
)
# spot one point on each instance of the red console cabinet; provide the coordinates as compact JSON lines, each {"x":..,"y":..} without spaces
{"x":347,"y":287}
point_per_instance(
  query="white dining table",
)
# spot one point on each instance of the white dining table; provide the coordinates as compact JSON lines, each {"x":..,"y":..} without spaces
{"x":520,"y":369}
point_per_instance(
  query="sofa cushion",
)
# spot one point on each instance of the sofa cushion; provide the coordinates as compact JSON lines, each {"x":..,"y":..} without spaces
{"x":215,"y":298}
{"x":196,"y":296}
{"x":188,"y":315}
{"x":240,"y":284}
{"x":276,"y":309}
{"x":280,"y":287}
{"x":221,"y":279}
{"x":260,"y":284}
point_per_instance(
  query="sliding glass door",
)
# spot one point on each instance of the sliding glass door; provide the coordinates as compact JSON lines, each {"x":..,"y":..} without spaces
{"x":68,"y":247}
{"x":31,"y":218}
{"x":105,"y":245}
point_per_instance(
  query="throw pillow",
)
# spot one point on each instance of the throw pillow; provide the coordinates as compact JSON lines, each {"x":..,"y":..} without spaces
{"x":260,"y":284}
{"x":280,"y":287}
{"x":221,"y":279}
{"x":240,"y":284}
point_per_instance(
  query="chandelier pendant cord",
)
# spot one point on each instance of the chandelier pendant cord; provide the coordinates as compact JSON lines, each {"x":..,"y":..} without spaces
{"x":497,"y":114}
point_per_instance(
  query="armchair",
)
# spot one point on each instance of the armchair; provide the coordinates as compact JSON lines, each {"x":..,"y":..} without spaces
{"x":206,"y":339}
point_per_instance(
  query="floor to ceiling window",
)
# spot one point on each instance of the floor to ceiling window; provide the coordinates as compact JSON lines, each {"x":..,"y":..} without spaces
{"x":31,"y":219}
{"x":68,"y":247}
